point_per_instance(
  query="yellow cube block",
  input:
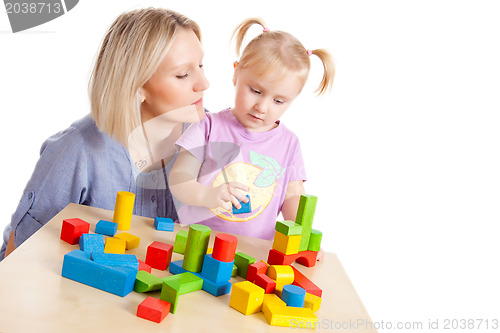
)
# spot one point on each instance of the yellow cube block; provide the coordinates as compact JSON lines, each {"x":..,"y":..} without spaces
{"x":286,"y":244}
{"x":115,"y":245}
{"x":289,"y":316}
{"x":246,"y":297}
{"x":312,"y":302}
{"x":131,"y":241}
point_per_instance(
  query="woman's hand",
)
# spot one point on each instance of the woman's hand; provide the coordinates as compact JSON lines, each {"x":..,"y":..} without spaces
{"x":226,"y":195}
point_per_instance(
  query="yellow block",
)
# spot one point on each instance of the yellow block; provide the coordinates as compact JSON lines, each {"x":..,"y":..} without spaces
{"x":272,"y":299}
{"x":115,"y":245}
{"x":210,"y":250}
{"x":312,"y":302}
{"x":289,"y":316}
{"x":131,"y":241}
{"x":286,"y":244}
{"x":246,"y":297}
{"x":282,"y":274}
{"x":124,"y":206}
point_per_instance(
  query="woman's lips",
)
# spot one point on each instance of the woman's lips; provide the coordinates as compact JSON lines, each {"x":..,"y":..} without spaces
{"x":199,"y":102}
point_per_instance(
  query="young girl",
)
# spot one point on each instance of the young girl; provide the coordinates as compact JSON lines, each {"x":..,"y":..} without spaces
{"x":244,"y":156}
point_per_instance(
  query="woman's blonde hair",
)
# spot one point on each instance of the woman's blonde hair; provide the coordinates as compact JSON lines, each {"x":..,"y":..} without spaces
{"x":280,"y":52}
{"x":130,"y":53}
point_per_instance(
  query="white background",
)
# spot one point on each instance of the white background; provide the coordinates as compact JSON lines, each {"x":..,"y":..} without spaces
{"x":403,"y":154}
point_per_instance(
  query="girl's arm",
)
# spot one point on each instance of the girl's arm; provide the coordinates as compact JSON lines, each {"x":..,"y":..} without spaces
{"x":294,"y":190}
{"x":185,"y":187}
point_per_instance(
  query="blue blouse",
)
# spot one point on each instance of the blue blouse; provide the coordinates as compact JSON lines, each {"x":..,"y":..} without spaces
{"x":85,"y":166}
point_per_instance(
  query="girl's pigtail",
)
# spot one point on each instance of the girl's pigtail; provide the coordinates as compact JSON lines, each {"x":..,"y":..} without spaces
{"x":328,"y":70}
{"x":242,"y":29}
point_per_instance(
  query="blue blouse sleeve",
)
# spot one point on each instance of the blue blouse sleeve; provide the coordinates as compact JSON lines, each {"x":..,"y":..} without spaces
{"x":60,"y":177}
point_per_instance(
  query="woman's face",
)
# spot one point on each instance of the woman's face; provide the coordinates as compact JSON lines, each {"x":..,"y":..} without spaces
{"x":179,"y":81}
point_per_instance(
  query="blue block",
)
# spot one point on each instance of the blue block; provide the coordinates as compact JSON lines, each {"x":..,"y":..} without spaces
{"x":92,"y":243}
{"x":215,"y":270}
{"x":106,"y":228}
{"x":116,"y":260}
{"x":78,"y":266}
{"x":245,"y":207}
{"x":293,"y":295}
{"x":164,"y":224}
{"x":216,"y":289}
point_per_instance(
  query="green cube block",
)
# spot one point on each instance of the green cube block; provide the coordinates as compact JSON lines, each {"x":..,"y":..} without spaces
{"x":305,"y":217}
{"x":180,"y":241}
{"x":242,"y":261}
{"x":288,"y":228}
{"x":315,"y":240}
{"x":235,"y":271}
{"x":145,"y":282}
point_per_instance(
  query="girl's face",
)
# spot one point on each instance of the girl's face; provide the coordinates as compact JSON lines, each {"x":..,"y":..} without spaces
{"x":179,"y":81}
{"x":261,"y":101}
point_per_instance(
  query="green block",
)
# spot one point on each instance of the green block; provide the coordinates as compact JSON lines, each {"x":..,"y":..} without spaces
{"x":305,"y":217}
{"x":235,"y":271}
{"x":242,"y":261}
{"x":288,"y":228}
{"x":196,"y":247}
{"x":180,"y":241}
{"x":315,"y":240}
{"x":180,"y":284}
{"x":145,"y":282}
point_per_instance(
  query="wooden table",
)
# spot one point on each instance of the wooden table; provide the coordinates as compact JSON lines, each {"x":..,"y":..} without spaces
{"x":34,"y":297}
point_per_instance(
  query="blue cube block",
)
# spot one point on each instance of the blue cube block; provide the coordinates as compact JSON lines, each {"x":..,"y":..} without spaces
{"x":106,"y":228}
{"x":92,"y":243}
{"x":245,"y":207}
{"x":215,"y":270}
{"x":164,"y":224}
{"x":293,"y":295}
{"x":78,"y":266}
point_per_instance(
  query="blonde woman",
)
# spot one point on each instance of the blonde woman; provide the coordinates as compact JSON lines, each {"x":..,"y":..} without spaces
{"x":149,"y":67}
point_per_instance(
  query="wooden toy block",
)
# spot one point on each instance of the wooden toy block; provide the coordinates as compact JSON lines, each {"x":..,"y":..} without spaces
{"x":210,"y":250}
{"x":315,"y":240}
{"x":282,"y":274}
{"x":246,"y":207}
{"x":144,"y":267}
{"x":115,"y":260}
{"x":256,"y":268}
{"x":312,"y":302}
{"x":77,"y":266}
{"x":106,"y":228}
{"x":286,"y":244}
{"x":90,"y":243}
{"x":180,"y":241}
{"x":272,"y":299}
{"x":115,"y":245}
{"x":196,"y":247}
{"x":235,"y":271}
{"x":124,"y":207}
{"x":153,"y":309}
{"x":289,"y":316}
{"x":225,"y":247}
{"x":302,"y":281}
{"x":72,"y":229}
{"x":159,"y":255}
{"x":175,"y":267}
{"x":265,"y":282}
{"x":293,"y":295}
{"x":288,"y":228}
{"x":305,"y":216}
{"x":246,"y":297}
{"x":145,"y":282}
{"x":242,"y":261}
{"x":306,"y":258}
{"x":131,"y":241}
{"x":176,"y":285}
{"x":164,"y":224}
{"x":215,"y":270}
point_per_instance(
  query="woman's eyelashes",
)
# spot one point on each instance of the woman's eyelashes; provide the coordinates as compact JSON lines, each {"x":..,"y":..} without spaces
{"x":183,"y":76}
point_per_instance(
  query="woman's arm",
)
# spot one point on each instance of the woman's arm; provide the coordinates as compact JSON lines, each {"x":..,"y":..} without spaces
{"x":186,"y":188}
{"x":294,"y":190}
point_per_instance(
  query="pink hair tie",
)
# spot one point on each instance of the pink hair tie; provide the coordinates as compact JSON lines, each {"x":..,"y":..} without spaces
{"x":309,"y":52}
{"x":266,"y":30}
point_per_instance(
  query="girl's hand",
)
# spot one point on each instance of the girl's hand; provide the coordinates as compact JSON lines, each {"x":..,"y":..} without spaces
{"x":226,"y":195}
{"x":321,"y":255}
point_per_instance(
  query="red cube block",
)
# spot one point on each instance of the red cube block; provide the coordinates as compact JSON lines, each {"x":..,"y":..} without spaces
{"x":224,"y":247}
{"x":72,"y":229}
{"x":153,"y":309}
{"x":266,"y":283}
{"x":159,"y":255}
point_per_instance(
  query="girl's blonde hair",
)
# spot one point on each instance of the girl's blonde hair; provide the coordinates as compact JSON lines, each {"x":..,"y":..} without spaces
{"x":130,"y":53}
{"x":280,"y":52}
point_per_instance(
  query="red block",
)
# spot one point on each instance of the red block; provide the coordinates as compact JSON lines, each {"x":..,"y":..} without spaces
{"x":72,"y":229}
{"x":144,"y":267}
{"x":153,"y":309}
{"x":159,"y":255}
{"x":302,"y":281}
{"x":224,"y":247}
{"x":266,"y":283}
{"x":306,"y":258}
{"x":256,"y":268}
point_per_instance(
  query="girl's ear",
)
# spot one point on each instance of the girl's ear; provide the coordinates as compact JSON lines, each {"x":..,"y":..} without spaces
{"x":141,"y":95}
{"x":235,"y":65}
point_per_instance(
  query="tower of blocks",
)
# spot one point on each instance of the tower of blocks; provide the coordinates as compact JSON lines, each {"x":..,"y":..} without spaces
{"x":297,"y":241}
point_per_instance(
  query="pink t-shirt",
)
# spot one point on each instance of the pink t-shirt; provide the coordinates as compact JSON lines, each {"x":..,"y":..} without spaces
{"x":263,"y":161}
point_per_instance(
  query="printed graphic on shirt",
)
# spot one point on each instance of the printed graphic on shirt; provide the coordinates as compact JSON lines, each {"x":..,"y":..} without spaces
{"x":261,"y":178}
